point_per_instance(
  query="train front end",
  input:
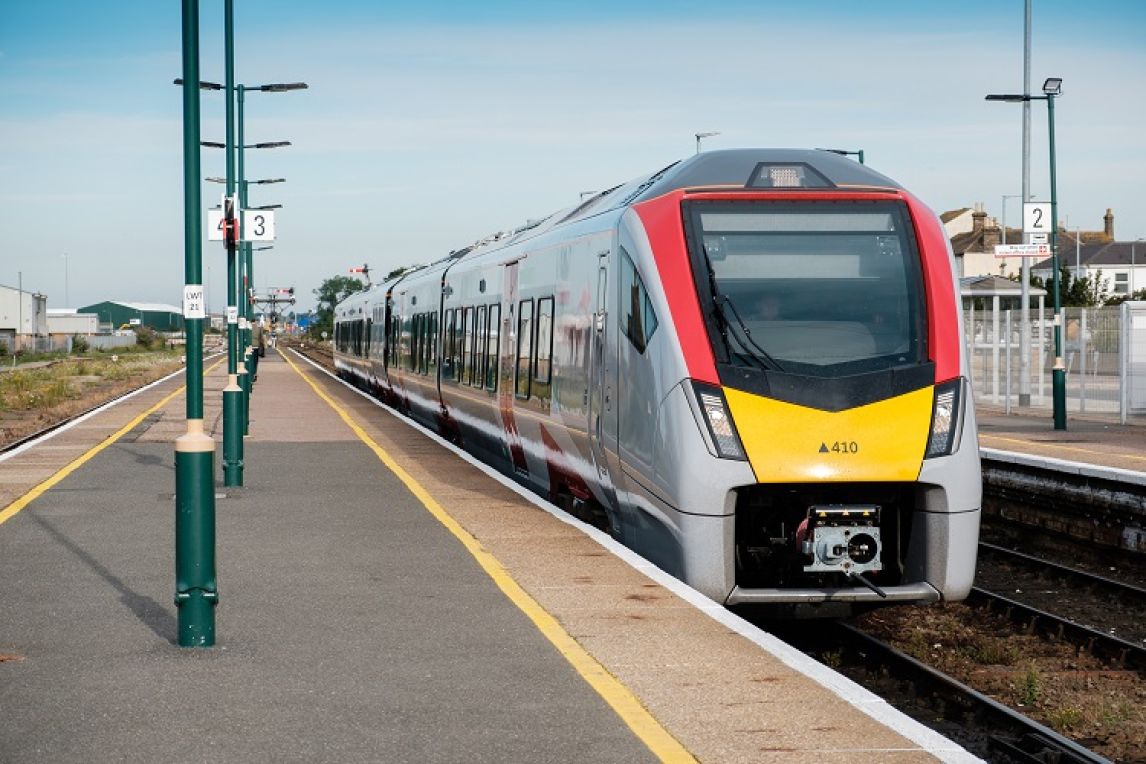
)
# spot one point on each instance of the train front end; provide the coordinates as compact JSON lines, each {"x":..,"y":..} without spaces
{"x":822,"y":335}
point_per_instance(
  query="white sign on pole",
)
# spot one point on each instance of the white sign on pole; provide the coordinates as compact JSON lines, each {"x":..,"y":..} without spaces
{"x":258,"y":225}
{"x":193,"y":303}
{"x":1022,"y":250}
{"x":232,"y":314}
{"x":1040,"y":238}
{"x":1036,"y":217}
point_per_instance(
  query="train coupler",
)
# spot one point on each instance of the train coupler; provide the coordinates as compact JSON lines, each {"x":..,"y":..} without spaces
{"x":841,"y":538}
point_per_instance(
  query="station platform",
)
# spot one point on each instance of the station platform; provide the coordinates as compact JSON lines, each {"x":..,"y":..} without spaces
{"x":382,"y":598}
{"x":1111,"y":450}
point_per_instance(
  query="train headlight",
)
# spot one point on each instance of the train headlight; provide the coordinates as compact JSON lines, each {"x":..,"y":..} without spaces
{"x":945,"y":418}
{"x":720,"y":425}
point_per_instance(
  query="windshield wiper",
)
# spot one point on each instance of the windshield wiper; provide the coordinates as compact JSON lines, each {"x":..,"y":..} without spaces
{"x":746,"y":343}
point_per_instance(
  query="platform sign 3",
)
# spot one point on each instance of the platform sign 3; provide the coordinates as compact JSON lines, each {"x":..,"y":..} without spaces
{"x":258,"y":225}
{"x":1036,"y":217}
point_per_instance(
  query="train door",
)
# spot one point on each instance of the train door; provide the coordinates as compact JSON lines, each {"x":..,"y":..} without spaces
{"x":602,"y":376}
{"x":506,"y":389}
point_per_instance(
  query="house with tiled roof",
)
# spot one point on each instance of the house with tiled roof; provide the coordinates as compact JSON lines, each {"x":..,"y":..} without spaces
{"x":974,"y":235}
{"x":1122,"y":264}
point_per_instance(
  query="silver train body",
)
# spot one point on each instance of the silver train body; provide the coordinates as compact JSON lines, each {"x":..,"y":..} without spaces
{"x":627,"y":359}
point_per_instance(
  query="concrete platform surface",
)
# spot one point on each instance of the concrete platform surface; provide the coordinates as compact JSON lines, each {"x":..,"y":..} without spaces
{"x":1086,"y":441}
{"x":368,"y":613}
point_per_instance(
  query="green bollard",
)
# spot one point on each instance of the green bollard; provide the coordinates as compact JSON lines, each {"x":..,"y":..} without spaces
{"x":196,"y":590}
{"x":244,"y":380}
{"x":232,"y":423}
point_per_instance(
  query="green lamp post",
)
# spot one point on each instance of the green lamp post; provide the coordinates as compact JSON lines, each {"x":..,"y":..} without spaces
{"x":1052,"y":89}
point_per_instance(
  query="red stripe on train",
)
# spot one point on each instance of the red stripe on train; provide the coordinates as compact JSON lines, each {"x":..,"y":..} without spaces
{"x":665,"y":229}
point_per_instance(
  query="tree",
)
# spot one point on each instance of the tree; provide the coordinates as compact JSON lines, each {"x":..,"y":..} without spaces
{"x":1118,"y":299}
{"x":333,"y":291}
{"x":1086,"y":292}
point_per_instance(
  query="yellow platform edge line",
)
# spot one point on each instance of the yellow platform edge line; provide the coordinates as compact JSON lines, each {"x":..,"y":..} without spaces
{"x":12,"y":509}
{"x":626,"y":705}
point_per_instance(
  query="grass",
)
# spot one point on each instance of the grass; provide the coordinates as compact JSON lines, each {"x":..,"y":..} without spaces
{"x":44,"y":388}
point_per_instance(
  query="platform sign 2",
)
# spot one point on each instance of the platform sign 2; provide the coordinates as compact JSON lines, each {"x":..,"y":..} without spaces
{"x":258,"y":225}
{"x":1037,"y":217}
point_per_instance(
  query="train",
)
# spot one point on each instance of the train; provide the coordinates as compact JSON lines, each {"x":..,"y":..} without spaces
{"x":747,"y":367}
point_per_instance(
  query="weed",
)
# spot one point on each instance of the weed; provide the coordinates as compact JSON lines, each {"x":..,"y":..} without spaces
{"x":1065,"y":718}
{"x":1030,"y":686}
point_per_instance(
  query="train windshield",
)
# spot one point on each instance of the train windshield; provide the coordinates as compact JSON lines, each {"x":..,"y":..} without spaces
{"x":826,"y":289}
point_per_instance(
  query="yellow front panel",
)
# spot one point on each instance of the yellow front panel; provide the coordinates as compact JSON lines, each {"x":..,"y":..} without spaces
{"x":786,"y":443}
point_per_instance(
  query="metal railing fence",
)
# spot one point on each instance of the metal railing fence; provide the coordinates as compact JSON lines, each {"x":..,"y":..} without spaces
{"x":1104,"y":350}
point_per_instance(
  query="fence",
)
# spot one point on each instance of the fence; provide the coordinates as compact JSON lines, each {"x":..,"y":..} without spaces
{"x":55,"y":344}
{"x":1104,"y":350}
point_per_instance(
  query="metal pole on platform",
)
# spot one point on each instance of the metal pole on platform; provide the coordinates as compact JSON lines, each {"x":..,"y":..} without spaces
{"x":196,"y":590}
{"x":245,"y":363}
{"x":232,"y":394}
{"x":1053,"y":87}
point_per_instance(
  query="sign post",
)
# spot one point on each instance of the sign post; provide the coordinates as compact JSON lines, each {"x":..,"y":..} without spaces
{"x":233,"y":425}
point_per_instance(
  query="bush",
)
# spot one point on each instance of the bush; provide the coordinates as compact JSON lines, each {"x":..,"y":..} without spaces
{"x":148,"y":338}
{"x":80,"y":344}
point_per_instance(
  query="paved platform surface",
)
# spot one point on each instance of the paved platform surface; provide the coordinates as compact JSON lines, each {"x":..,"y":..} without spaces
{"x":355,"y":625}
{"x":1088,"y":441}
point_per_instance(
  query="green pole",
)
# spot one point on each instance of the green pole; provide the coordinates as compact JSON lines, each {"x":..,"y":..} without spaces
{"x":244,"y":281}
{"x":232,"y":393}
{"x":1058,"y":372}
{"x":196,"y":591}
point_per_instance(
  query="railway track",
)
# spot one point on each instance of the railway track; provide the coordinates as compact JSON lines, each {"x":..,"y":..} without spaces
{"x":1108,"y":605}
{"x":982,"y":724}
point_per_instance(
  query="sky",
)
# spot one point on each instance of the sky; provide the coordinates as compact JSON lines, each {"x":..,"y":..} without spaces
{"x":428,"y":125}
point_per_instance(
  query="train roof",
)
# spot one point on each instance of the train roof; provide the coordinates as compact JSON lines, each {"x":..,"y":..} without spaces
{"x":754,"y":169}
{"x":750,"y":169}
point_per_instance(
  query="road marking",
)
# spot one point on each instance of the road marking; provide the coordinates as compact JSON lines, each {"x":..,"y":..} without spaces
{"x":12,"y":509}
{"x":1091,"y":451}
{"x":658,"y":740}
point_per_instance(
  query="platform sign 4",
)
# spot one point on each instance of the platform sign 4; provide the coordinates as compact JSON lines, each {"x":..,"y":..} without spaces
{"x":258,"y":225}
{"x":1036,"y":217}
{"x":215,"y":225}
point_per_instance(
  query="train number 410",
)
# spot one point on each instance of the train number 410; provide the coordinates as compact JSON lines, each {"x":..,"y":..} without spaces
{"x":840,"y":447}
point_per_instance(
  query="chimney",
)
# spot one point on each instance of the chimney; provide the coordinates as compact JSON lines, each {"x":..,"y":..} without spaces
{"x":991,"y":235}
{"x":1108,"y":224}
{"x":978,"y":218}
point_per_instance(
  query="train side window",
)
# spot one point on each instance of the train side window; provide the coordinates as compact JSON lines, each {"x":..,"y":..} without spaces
{"x":481,"y":330}
{"x":460,"y":346}
{"x":492,"y":346}
{"x":543,"y":371}
{"x":448,"y":345}
{"x":522,"y":374}
{"x":395,"y":338}
{"x":432,"y":342}
{"x":423,"y":344}
{"x":638,"y":319}
{"x":467,"y":346}
{"x":415,"y":342}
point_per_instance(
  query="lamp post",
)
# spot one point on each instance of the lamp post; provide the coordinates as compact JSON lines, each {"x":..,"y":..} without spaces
{"x":700,"y":136}
{"x":1052,"y":89}
{"x":248,"y":261}
{"x":196,"y":588}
